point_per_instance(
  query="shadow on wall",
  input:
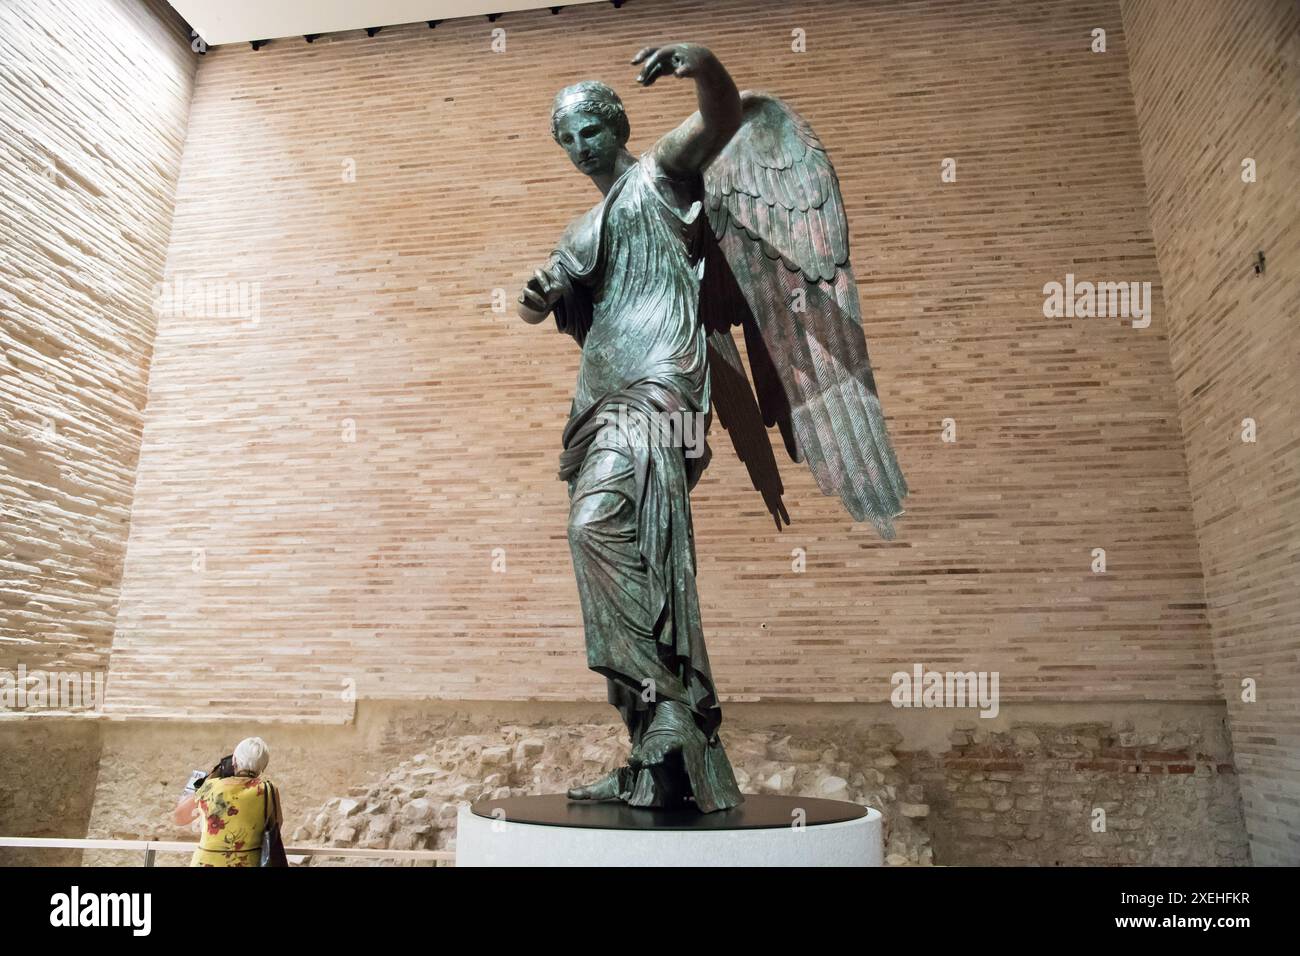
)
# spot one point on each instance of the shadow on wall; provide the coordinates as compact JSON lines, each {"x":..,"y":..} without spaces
{"x":48,"y":784}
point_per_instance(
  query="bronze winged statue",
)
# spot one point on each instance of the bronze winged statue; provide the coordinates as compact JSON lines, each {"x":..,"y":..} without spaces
{"x":733,"y":218}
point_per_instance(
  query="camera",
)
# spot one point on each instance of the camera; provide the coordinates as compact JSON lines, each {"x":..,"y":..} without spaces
{"x":225,"y":768}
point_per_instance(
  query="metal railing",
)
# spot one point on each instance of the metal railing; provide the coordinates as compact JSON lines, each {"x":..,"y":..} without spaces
{"x":150,"y":849}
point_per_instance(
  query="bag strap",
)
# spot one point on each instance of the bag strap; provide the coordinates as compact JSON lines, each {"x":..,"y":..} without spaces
{"x":272,"y":805}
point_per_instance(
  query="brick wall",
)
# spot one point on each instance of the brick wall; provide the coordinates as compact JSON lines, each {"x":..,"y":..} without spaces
{"x":92,"y":124}
{"x":328,"y":466}
{"x":1104,"y":790}
{"x":324,"y":478}
{"x":1217,"y":83}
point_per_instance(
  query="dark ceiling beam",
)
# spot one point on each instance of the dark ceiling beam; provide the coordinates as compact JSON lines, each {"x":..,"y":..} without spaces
{"x":432,"y":24}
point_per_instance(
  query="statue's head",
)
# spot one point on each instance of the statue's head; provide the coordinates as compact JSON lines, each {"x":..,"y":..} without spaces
{"x":589,"y":121}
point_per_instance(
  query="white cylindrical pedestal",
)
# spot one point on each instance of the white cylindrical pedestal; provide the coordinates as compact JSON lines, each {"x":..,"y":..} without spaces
{"x":485,"y":841}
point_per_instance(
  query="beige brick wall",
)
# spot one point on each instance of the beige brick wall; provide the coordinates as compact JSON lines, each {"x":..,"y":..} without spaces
{"x":92,"y":123}
{"x":326,"y":560}
{"x":1216,"y":83}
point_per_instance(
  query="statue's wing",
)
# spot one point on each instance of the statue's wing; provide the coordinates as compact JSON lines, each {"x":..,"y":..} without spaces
{"x":780,"y":269}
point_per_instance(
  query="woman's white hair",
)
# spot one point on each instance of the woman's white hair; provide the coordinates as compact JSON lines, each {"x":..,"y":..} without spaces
{"x":251,"y":754}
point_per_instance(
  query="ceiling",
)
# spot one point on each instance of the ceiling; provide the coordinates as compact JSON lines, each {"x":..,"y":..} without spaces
{"x":237,"y":21}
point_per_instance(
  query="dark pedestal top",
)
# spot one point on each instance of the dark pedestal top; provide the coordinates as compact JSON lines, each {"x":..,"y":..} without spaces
{"x":758,"y":812}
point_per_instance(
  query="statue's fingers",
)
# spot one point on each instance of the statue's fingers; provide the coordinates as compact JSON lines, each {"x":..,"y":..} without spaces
{"x":642,"y":53}
{"x":654,"y":66}
{"x":543,"y":281}
{"x":671,"y":59}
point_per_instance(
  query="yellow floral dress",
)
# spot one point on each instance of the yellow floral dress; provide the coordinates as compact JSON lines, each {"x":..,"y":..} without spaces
{"x":233,"y":816}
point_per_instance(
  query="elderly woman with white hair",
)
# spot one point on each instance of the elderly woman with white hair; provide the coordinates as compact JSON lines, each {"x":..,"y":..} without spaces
{"x":237,"y":808}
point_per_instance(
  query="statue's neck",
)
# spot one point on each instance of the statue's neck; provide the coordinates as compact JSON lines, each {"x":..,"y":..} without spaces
{"x":605,"y":181}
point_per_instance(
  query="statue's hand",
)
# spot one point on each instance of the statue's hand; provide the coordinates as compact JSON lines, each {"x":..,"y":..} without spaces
{"x":542,"y":290}
{"x":679,"y":59}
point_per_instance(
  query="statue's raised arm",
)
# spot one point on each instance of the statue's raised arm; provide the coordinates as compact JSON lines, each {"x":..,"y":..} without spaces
{"x":686,"y":150}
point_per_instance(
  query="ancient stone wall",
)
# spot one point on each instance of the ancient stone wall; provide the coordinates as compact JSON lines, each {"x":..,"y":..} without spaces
{"x":1024,"y":787}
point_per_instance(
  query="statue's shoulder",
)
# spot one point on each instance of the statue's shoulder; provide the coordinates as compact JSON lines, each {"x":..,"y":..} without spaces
{"x":582,"y":229}
{"x":580,"y":243}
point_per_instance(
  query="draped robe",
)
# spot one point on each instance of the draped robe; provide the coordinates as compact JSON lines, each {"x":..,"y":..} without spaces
{"x":634,"y":264}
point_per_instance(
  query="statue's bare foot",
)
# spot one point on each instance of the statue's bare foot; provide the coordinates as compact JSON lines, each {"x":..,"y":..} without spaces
{"x":609,"y":787}
{"x":654,"y":749}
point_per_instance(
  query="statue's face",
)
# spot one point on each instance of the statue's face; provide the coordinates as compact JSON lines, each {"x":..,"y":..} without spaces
{"x":590,"y":141}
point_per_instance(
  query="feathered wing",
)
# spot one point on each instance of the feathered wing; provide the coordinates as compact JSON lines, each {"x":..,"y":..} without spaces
{"x":780,"y":269}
